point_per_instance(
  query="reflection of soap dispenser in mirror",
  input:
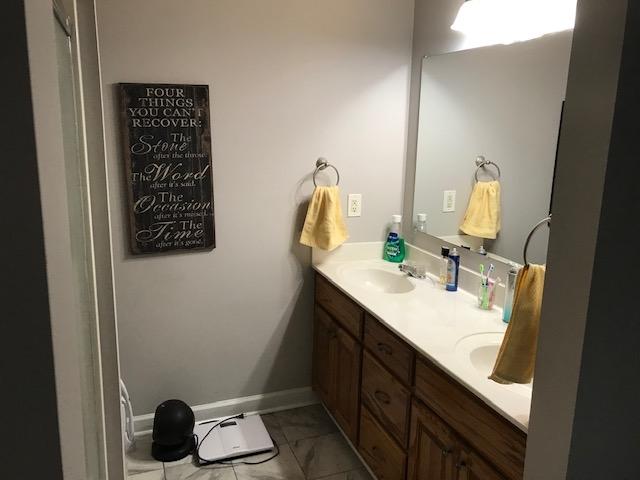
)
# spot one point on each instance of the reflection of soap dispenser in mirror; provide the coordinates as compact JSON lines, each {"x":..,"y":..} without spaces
{"x":394,"y":250}
{"x":510,"y":288}
{"x":421,"y":223}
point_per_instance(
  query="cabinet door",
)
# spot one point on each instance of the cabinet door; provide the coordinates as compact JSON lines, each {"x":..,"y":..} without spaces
{"x":432,"y":448}
{"x":324,"y":346}
{"x":347,"y":385}
{"x":471,"y":466}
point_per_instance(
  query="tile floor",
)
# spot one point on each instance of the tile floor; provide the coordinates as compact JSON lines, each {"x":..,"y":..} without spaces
{"x":311,"y":448}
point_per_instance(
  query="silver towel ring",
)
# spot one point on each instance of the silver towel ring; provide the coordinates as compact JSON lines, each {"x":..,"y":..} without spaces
{"x":546,"y":220}
{"x":482,"y":162}
{"x":321,"y":164}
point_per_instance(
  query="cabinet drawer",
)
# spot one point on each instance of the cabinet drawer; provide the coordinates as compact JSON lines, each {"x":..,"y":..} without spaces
{"x":378,"y":449}
{"x":387,"y":399}
{"x":483,"y":428}
{"x":344,"y":310}
{"x":392,"y":352}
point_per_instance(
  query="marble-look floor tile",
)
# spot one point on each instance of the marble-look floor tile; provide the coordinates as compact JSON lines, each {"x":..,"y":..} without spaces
{"x":274,"y":428}
{"x":305,"y":422}
{"x":188,"y":472}
{"x":352,"y":475}
{"x":325,"y":455}
{"x":283,"y":467}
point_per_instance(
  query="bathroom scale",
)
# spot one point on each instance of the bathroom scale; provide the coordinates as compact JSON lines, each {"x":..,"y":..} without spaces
{"x":233,"y":438}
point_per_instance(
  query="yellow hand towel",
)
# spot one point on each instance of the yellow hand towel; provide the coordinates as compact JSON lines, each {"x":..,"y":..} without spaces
{"x":517,"y":355}
{"x":324,"y":226}
{"x":482,"y":218}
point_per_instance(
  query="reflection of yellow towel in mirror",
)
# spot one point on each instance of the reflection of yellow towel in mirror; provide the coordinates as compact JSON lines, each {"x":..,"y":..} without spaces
{"x":482,"y":218}
{"x":324,"y":226}
{"x":517,"y":355}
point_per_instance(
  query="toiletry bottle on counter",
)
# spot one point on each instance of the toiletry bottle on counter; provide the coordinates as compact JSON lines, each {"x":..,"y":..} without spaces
{"x":444,"y":266}
{"x":453,"y":269}
{"x":509,"y":291}
{"x":394,"y":250}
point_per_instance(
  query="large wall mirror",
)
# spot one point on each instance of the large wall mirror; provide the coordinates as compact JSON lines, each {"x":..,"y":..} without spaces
{"x":503,"y":104}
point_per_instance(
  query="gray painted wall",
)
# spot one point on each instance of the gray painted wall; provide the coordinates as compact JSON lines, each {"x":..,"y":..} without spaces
{"x":290,"y":81}
{"x":504,"y":102}
{"x":585,"y":421}
{"x":609,"y":393}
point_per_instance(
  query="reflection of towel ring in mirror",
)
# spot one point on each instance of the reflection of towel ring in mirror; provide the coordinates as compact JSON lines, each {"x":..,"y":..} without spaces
{"x":482,"y":162}
{"x":533,"y":230}
{"x":321,"y":164}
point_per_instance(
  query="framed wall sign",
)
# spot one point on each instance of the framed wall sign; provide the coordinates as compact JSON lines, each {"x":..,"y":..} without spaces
{"x":167,"y":147}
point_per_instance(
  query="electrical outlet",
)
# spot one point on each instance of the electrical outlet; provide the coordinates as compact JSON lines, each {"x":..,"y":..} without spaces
{"x":449,"y":201}
{"x":355,"y":205}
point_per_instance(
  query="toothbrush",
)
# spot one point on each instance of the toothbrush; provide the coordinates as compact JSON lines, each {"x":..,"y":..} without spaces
{"x":492,"y":291}
{"x":491,"y":269}
{"x":482,"y":273}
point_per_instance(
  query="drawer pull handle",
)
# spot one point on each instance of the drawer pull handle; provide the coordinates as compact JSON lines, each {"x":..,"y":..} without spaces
{"x":384,"y":348}
{"x":382,"y":397}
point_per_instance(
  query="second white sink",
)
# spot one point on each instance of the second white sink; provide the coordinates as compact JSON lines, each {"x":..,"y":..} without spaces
{"x":481,"y":351}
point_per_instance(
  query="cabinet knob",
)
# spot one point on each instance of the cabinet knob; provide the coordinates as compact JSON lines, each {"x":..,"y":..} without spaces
{"x":463,"y":473}
{"x":382,"y":396}
{"x":384,"y":348}
{"x":446,"y":451}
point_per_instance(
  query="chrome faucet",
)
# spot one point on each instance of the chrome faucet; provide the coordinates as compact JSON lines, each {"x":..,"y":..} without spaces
{"x":413,"y":270}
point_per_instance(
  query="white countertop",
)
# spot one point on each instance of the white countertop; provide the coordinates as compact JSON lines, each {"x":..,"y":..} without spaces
{"x":433,"y":321}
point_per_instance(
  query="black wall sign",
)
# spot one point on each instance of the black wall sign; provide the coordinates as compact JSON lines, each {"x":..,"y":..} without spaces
{"x":167,"y":147}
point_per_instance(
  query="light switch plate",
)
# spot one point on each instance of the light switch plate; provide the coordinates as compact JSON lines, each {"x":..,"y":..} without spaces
{"x":449,"y":201}
{"x":355,"y":205}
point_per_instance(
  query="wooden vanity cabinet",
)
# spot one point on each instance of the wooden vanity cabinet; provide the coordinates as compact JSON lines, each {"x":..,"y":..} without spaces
{"x":407,"y":418}
{"x":471,"y":466}
{"x":437,"y":453}
{"x":433,"y":446}
{"x":336,"y":371}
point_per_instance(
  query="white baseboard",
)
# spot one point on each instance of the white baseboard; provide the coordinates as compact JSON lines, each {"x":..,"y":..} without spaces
{"x":264,"y":403}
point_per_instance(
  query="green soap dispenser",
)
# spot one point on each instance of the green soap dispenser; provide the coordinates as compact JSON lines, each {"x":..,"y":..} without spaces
{"x":394,"y":250}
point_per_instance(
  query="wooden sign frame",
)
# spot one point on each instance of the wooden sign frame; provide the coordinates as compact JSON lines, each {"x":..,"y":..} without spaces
{"x":167,"y":150}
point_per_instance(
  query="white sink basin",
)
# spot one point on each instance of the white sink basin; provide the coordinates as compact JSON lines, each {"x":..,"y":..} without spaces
{"x":480,"y":351}
{"x":378,"y":280}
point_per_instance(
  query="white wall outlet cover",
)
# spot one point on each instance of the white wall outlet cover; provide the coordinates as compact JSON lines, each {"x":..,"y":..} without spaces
{"x":354,"y":205}
{"x":449,"y":201}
